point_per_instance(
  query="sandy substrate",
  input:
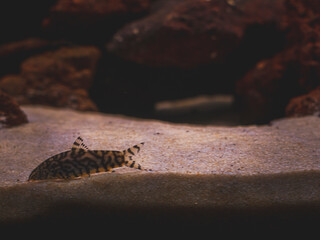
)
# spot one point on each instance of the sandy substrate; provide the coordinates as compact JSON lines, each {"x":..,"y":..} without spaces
{"x":198,"y":167}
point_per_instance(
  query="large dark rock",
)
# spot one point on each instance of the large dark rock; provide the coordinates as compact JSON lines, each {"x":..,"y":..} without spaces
{"x":191,"y":33}
{"x":187,"y":48}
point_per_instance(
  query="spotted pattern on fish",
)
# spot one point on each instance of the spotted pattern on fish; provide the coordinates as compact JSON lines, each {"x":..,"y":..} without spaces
{"x":81,"y":161}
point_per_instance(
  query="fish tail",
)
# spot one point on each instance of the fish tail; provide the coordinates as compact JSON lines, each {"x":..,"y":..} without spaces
{"x":130,"y":153}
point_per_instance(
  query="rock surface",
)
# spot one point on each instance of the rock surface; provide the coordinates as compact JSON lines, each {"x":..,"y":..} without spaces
{"x":195,"y":168}
{"x":58,"y":78}
{"x":13,"y":53}
{"x":308,"y":104}
{"x":264,"y":90}
{"x":191,"y":33}
{"x":293,"y":72}
{"x":10,"y":112}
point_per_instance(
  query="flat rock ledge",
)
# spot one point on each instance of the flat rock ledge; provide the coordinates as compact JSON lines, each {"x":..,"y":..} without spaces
{"x":196,"y":170}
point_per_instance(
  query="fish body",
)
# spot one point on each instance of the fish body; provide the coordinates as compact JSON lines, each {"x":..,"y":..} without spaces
{"x":81,"y":161}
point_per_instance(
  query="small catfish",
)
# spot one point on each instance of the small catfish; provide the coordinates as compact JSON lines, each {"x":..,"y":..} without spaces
{"x":81,"y":161}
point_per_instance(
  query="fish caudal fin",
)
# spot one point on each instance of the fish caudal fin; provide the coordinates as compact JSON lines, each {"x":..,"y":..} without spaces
{"x":129,"y":154}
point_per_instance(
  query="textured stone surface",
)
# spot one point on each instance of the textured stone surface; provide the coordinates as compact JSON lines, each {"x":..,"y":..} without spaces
{"x":308,"y":104}
{"x":266,"y":89}
{"x":191,"y":33}
{"x":13,"y":53}
{"x":10,"y":112}
{"x":194,"y":167}
{"x":58,"y":78}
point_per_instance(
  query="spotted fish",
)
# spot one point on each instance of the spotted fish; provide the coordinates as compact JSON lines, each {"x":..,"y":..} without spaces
{"x":81,"y":161}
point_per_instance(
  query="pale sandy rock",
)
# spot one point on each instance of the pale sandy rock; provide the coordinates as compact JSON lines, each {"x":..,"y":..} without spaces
{"x":192,"y":166}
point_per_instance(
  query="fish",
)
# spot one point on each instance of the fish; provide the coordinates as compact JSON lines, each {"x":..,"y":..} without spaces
{"x":80,"y":161}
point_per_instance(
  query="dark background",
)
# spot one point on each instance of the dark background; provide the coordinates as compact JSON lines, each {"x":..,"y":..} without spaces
{"x":126,"y":56}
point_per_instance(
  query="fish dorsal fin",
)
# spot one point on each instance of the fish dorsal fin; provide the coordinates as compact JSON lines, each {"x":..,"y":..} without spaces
{"x":78,"y":143}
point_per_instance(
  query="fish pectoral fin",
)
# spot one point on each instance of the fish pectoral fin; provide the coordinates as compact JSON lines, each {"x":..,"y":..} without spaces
{"x":78,"y":143}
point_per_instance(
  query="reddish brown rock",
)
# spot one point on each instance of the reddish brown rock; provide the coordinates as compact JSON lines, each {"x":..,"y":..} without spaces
{"x":58,"y":78}
{"x":307,"y":104}
{"x":91,"y":20}
{"x":303,"y":17}
{"x":14,"y":85}
{"x":264,"y":92}
{"x":190,"y":33}
{"x":26,"y":45}
{"x":72,"y":66}
{"x":10,"y":112}
{"x":13,"y":53}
